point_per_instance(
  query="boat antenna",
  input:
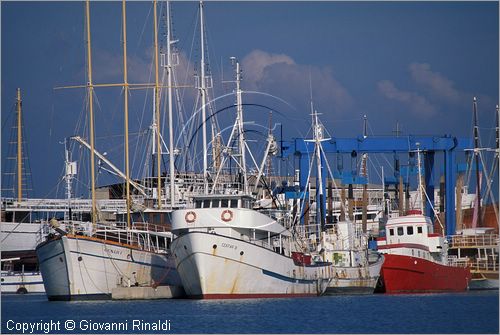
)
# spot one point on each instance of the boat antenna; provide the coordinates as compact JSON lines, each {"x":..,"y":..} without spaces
{"x":239,"y":117}
{"x":420,"y":185}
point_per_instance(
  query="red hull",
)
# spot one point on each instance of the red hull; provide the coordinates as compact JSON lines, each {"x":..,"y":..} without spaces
{"x":410,"y":274}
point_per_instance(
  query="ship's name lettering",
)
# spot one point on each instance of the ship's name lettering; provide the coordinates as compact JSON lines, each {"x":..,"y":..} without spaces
{"x":112,"y":251}
{"x":230,"y":246}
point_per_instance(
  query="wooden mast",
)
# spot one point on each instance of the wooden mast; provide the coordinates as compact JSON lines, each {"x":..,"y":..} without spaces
{"x":125,"y":94}
{"x":90,"y":88}
{"x":19,"y":148}
{"x":157,"y":110}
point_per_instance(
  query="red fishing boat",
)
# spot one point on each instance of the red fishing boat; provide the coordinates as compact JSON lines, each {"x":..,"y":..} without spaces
{"x":416,"y":259}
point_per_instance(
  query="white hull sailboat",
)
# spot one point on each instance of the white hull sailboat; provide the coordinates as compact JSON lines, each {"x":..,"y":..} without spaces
{"x":86,"y":267}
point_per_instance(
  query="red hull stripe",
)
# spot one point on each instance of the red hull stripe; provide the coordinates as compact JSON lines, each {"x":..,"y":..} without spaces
{"x":254,"y":295}
{"x":404,"y":245}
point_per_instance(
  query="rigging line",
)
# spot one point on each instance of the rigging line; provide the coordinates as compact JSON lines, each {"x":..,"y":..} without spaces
{"x":10,"y":115}
{"x":144,"y":28}
{"x":488,"y":187}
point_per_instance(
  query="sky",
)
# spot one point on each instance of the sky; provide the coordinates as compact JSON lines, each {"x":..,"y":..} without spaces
{"x":418,"y":64}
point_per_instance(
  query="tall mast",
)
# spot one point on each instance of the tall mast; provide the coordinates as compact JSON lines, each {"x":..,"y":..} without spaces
{"x":91,"y":113}
{"x":170,"y":112}
{"x":203,"y":100}
{"x":19,"y":148}
{"x":364,"y":172}
{"x":318,"y":137}
{"x":157,"y":111}
{"x":476,"y":157}
{"x":241,"y":135}
{"x":125,"y":94}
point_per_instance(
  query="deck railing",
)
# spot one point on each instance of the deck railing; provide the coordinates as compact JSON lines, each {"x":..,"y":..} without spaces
{"x":477,"y":265}
{"x":481,"y":240}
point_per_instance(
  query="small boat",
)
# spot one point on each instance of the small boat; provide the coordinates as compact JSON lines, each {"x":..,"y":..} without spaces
{"x":356,"y":268}
{"x":416,"y":259}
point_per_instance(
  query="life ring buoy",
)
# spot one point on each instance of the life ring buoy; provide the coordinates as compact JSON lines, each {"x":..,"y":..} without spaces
{"x":190,"y":217}
{"x":226,"y":215}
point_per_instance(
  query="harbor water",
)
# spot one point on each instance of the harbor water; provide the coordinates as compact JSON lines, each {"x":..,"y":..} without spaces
{"x":470,"y":312}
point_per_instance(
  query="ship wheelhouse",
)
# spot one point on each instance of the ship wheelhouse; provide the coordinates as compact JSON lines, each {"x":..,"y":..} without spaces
{"x":234,"y":216}
{"x":413,"y":235}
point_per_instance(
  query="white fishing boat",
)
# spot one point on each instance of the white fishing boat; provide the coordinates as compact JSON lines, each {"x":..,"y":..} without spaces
{"x":225,"y":249}
{"x":356,"y":268}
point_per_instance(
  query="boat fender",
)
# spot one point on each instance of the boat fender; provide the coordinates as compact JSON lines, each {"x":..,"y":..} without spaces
{"x":190,"y":217}
{"x":226,"y":215}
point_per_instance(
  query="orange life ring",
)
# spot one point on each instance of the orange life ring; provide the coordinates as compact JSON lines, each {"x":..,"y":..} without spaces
{"x":190,"y":217}
{"x":226,"y":215}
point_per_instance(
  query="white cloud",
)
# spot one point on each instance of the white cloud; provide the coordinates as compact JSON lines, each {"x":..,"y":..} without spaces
{"x":279,"y":74}
{"x":416,"y":103}
{"x":437,"y":84}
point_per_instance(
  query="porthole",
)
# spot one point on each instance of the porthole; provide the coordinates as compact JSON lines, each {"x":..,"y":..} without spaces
{"x":241,"y":253}
{"x":214,"y":246}
{"x":80,"y":258}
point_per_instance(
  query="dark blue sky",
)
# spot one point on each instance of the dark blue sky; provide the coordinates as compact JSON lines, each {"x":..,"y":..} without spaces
{"x":419,"y":63}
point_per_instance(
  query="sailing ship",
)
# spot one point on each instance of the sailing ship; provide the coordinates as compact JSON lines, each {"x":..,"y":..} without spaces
{"x":90,"y":263}
{"x":416,"y":258}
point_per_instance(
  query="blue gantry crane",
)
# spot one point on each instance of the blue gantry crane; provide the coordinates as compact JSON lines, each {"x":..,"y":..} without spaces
{"x":448,"y":145}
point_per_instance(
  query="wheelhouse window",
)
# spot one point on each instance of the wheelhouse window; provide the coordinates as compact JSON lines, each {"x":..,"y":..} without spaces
{"x":215,"y":203}
{"x":409,"y":230}
{"x":234,"y":203}
{"x":419,"y":230}
{"x":206,"y":203}
{"x":391,"y":232}
{"x":224,"y":203}
{"x":197,"y":204}
{"x":400,"y":231}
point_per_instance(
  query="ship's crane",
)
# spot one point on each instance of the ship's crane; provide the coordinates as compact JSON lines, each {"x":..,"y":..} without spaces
{"x":137,"y":186}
